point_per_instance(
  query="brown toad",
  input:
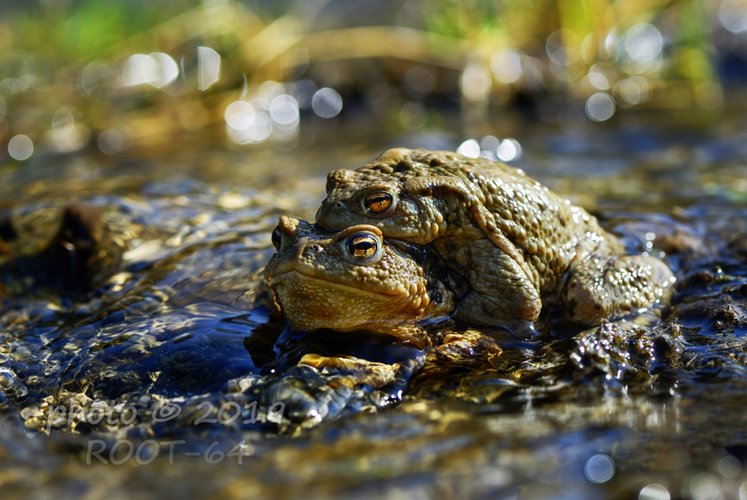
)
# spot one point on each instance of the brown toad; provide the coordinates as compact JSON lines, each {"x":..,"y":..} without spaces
{"x":353,"y":280}
{"x":519,"y":245}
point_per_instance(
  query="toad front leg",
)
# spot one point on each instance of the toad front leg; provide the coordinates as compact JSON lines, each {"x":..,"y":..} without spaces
{"x":502,"y":294}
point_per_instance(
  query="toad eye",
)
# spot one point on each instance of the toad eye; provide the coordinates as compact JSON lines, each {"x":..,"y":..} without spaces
{"x":378,"y":202}
{"x":276,"y":238}
{"x":362,"y":245}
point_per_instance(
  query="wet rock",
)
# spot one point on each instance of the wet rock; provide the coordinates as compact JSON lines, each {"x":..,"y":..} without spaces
{"x":82,"y":253}
{"x":713,"y":303}
{"x":625,"y":356}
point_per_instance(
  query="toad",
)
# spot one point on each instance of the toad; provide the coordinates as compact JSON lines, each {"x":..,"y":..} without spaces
{"x":520,"y":246}
{"x":354,"y":280}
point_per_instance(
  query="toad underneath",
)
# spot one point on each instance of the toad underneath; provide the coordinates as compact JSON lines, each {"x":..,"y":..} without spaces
{"x":519,"y":246}
{"x":354,"y":280}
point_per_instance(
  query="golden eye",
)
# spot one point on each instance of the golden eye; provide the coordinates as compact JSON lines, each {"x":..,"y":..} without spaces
{"x":362,"y":245}
{"x":276,"y":238}
{"x":378,"y":202}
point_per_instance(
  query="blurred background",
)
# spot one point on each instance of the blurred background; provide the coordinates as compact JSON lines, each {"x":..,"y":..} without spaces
{"x":119,"y":77}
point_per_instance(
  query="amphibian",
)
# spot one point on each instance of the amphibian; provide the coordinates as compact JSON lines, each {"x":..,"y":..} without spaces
{"x":519,"y":245}
{"x":353,"y":280}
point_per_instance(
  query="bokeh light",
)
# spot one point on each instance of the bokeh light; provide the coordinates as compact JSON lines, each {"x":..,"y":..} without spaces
{"x":600,"y":107}
{"x":705,"y":486}
{"x":271,"y":113}
{"x":506,"y":66}
{"x":597,"y":78}
{"x":69,"y":132}
{"x":643,"y":42}
{"x":248,"y":122}
{"x":303,"y":92}
{"x":599,"y":469}
{"x":208,"y":67}
{"x":326,"y":102}
{"x":475,"y":83}
{"x":16,"y":73}
{"x":632,"y":90}
{"x":469,"y":148}
{"x":729,"y":466}
{"x":97,"y":81}
{"x":139,"y":69}
{"x":114,"y":140}
{"x":615,"y":63}
{"x":509,"y":150}
{"x":563,"y":49}
{"x":20,"y":147}
{"x":413,"y":115}
{"x":490,"y":143}
{"x":284,"y":112}
{"x":654,"y":491}
{"x":733,"y":15}
{"x":418,"y":81}
{"x":239,"y":115}
{"x":492,"y":148}
{"x":168,"y":70}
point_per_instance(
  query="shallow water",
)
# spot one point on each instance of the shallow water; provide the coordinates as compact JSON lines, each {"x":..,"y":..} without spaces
{"x":175,"y":377}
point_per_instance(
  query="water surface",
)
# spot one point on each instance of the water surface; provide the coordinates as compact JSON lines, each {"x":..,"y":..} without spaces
{"x":175,"y":378}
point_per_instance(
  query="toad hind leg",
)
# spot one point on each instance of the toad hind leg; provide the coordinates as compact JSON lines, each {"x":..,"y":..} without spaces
{"x":598,"y":287}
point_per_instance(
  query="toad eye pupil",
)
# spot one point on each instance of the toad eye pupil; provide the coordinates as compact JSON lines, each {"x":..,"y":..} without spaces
{"x":276,"y":238}
{"x":378,"y":202}
{"x":362,"y":246}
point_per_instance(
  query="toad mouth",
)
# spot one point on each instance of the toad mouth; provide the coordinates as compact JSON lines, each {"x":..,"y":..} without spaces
{"x":297,"y":275}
